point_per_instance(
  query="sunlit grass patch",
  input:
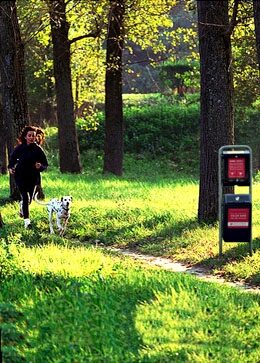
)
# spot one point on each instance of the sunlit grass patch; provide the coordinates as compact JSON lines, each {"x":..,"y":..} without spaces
{"x":84,"y":305}
{"x":151,"y":208}
{"x":63,"y":261}
{"x":246,"y":268}
{"x":183,"y":326}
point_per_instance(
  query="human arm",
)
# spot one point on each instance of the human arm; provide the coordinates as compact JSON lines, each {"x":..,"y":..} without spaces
{"x":14,"y":159}
{"x":41,"y":163}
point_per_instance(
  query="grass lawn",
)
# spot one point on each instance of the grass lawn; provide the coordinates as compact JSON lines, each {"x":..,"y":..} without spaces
{"x":64,"y":300}
{"x":153,"y":208}
{"x":78,"y":304}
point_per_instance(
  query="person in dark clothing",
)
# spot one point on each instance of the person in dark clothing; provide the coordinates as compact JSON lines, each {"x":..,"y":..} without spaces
{"x":40,"y":139}
{"x":26,"y":163}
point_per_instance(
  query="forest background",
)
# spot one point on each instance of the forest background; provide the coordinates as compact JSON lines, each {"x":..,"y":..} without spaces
{"x":100,"y":54}
{"x":72,"y":298}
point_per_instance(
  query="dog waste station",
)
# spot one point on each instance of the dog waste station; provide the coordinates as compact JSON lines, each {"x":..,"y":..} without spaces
{"x":235,"y":210}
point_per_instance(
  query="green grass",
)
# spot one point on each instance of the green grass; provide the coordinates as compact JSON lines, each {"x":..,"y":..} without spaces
{"x":71,"y":300}
{"x":79,"y":304}
{"x":153,"y":208}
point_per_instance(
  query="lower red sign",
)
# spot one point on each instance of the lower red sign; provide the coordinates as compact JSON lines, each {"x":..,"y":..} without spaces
{"x":238,"y":218}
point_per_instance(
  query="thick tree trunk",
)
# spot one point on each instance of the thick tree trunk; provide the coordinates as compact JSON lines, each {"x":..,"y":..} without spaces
{"x":257,"y":27}
{"x":15,"y":109}
{"x":68,"y":141}
{"x":216,"y":119}
{"x":3,"y":144}
{"x":114,"y":125}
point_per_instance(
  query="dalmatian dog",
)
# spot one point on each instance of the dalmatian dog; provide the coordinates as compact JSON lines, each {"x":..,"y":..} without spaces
{"x":62,"y":209}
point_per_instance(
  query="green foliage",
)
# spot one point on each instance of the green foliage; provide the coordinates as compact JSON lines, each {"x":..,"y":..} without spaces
{"x":246,"y":71}
{"x":161,"y":129}
{"x":179,"y":74}
{"x":151,"y":126}
{"x":247,"y":130}
{"x":159,"y":126}
{"x":169,"y":33}
{"x":71,"y":299}
{"x":141,"y":26}
{"x":91,"y":131}
{"x":35,"y":32}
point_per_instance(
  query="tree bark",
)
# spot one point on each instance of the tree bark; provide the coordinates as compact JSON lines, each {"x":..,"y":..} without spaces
{"x":14,"y":97}
{"x":217,"y":114}
{"x":1,"y":221}
{"x":3,"y":145}
{"x":257,"y":27}
{"x":114,"y":123}
{"x":68,"y":141}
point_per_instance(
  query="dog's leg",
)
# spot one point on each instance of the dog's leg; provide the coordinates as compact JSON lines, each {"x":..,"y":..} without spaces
{"x":64,"y":227}
{"x":50,"y":221}
{"x":59,"y":224}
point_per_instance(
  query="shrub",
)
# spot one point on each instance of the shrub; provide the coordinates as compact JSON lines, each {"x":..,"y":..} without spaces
{"x":151,"y":128}
{"x":246,"y":131}
{"x":158,"y":125}
{"x":161,"y":130}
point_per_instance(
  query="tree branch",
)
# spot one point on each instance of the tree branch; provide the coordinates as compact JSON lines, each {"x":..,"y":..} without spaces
{"x":233,"y":21}
{"x":94,"y":34}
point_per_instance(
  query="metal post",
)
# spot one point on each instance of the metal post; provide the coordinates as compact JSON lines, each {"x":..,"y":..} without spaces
{"x":220,"y":199}
{"x":250,"y":192}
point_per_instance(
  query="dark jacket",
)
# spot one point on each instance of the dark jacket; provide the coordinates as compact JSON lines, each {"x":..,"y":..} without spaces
{"x":23,"y":159}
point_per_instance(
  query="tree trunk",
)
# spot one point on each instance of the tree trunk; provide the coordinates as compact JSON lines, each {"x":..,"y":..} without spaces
{"x":257,"y":28}
{"x":3,"y":145}
{"x":216,"y":118}
{"x":1,"y":221}
{"x":114,"y":125}
{"x":68,"y":141}
{"x":49,"y":114}
{"x":15,"y":109}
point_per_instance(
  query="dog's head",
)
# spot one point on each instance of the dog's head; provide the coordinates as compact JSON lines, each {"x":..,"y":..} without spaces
{"x":66,"y":201}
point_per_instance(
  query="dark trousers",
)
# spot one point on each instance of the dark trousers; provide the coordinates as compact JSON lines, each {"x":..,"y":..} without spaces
{"x":27,"y":196}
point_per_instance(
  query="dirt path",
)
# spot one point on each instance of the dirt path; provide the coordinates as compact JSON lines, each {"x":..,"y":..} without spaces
{"x":170,"y":265}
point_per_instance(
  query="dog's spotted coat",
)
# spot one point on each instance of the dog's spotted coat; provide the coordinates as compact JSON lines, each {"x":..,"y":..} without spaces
{"x":62,"y":208}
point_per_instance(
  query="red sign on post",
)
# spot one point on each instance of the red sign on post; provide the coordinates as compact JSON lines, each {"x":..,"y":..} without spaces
{"x":238,"y":218}
{"x":236,"y":168}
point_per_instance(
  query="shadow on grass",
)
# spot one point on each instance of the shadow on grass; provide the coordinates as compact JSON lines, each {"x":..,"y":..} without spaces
{"x":93,"y":319}
{"x":82,"y":320}
{"x":255,"y":279}
{"x":6,"y":200}
{"x":69,"y":321}
{"x":163,"y":239}
{"x":233,"y":255}
{"x":156,"y":229}
{"x":236,"y":253}
{"x":171,"y":239}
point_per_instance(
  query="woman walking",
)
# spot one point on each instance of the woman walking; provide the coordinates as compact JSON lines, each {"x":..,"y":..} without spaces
{"x":26,"y":163}
{"x":40,"y":139}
